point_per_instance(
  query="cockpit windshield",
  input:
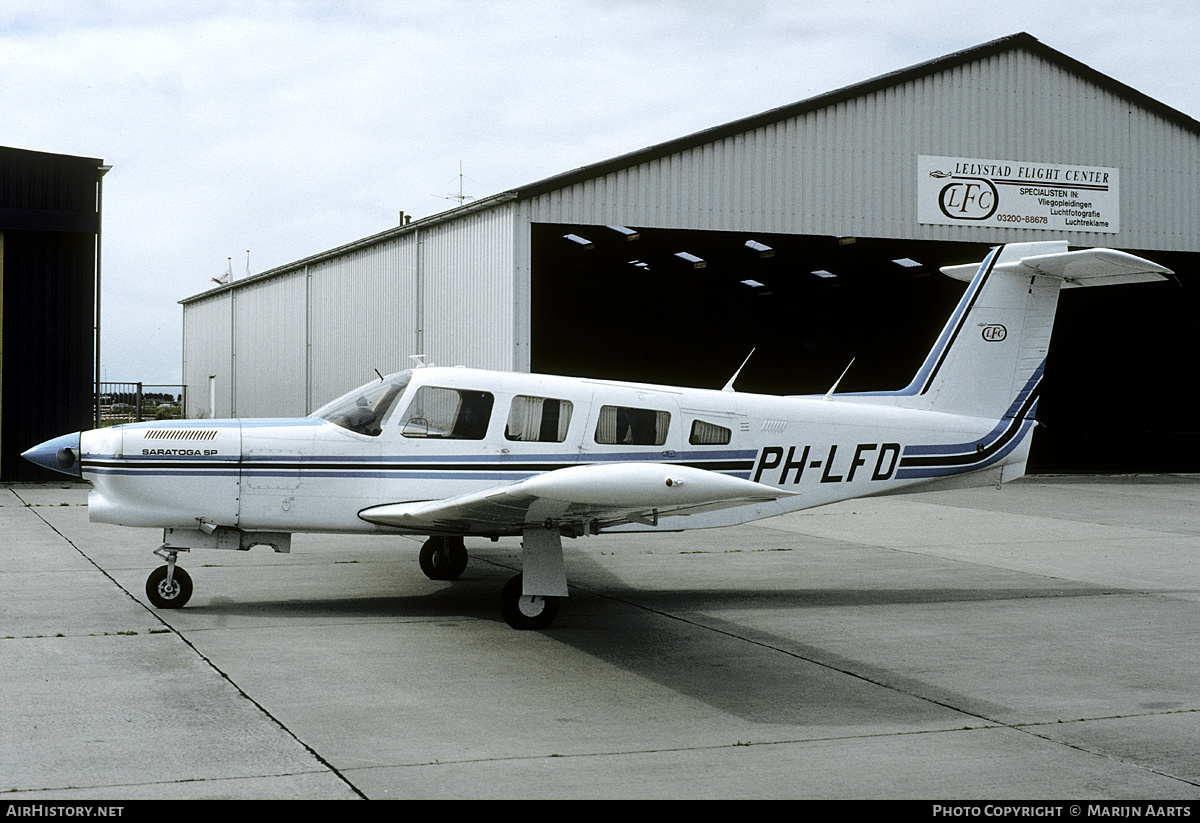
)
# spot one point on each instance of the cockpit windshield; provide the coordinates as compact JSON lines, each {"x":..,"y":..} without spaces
{"x":363,"y":409}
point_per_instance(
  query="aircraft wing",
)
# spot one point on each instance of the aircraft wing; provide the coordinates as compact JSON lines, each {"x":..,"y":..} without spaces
{"x":578,"y":498}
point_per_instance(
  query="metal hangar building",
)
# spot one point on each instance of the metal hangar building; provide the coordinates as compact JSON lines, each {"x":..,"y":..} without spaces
{"x":812,"y":234}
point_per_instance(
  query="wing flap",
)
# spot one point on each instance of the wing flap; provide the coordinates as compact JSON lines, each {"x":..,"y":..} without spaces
{"x":599,"y":494}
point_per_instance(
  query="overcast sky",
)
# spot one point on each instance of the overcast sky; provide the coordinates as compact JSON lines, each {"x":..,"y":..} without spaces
{"x":288,"y":128}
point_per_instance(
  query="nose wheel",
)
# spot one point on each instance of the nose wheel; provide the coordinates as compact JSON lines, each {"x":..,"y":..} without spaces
{"x":169,"y":586}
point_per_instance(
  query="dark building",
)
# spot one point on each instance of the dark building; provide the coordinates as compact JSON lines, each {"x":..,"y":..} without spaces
{"x":49,"y":247}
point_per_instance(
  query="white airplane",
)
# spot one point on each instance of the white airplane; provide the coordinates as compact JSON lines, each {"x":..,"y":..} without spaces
{"x":449,"y":453}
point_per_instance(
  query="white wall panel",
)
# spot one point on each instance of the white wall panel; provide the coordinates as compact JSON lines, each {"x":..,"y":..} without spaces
{"x":285,"y":343}
{"x":362,"y":316}
{"x":268,"y":348}
{"x":467,"y":291}
{"x":207,"y":339}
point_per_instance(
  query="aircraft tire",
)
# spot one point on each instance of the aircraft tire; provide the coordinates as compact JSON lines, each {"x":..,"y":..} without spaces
{"x":443,"y":558}
{"x":168,"y":597}
{"x":526,"y":613}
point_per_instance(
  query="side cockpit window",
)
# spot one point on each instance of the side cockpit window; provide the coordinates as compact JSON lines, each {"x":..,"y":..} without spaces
{"x":538,"y":419}
{"x":709,"y":434}
{"x":621,"y":425}
{"x":362,"y":410}
{"x":451,"y":414}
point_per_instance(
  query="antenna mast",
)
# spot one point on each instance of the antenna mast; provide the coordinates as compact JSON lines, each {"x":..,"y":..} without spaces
{"x":460,"y":197}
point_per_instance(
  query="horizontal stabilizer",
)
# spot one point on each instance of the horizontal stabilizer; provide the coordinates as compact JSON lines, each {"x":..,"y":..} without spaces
{"x":1086,"y":267}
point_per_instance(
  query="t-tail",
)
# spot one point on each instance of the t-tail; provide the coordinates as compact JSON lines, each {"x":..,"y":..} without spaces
{"x":989,"y":359}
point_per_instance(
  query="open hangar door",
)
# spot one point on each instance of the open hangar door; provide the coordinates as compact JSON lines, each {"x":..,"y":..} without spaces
{"x":686,"y":307}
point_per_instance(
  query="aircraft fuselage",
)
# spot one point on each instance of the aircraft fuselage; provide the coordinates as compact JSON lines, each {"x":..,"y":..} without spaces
{"x":313,"y":475}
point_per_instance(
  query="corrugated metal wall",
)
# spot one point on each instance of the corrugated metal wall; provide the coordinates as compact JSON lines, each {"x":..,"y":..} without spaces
{"x":207,"y":353}
{"x":467,"y":290}
{"x":362,"y":316}
{"x":285,"y":343}
{"x":269,"y":370}
{"x":849,"y":169}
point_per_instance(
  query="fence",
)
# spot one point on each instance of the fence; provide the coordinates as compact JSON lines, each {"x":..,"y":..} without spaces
{"x":133,"y":402}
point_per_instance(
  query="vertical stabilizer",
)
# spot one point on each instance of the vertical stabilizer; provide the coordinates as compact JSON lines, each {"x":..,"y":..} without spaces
{"x":989,"y":358}
{"x":995,"y":342}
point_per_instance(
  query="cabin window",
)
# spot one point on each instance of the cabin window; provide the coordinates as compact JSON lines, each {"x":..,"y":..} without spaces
{"x":709,"y":434}
{"x":620,"y":425}
{"x":363,"y":409}
{"x":450,"y":414}
{"x":538,"y":419}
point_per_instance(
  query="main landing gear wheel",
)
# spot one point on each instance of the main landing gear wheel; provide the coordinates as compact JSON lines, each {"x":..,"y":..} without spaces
{"x":168,"y":595}
{"x":522,"y":612}
{"x":443,"y":558}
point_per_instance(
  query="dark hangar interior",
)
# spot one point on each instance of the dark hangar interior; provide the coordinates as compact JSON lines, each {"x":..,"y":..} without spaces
{"x":687,"y":307}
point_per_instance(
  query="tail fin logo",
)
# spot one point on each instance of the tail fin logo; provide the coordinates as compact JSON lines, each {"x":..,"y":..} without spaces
{"x":994,"y":332}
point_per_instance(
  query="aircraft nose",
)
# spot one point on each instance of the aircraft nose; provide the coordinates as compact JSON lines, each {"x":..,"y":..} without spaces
{"x":60,"y":454}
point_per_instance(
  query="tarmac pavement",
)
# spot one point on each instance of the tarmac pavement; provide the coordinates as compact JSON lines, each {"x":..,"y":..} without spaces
{"x":1032,"y":642}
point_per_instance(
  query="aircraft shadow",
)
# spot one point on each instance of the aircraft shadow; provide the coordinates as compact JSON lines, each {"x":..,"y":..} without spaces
{"x":691,"y":641}
{"x":694,"y":643}
{"x":461,"y":600}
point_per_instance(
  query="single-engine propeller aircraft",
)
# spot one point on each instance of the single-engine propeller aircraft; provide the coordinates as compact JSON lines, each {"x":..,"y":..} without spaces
{"x":449,"y":453}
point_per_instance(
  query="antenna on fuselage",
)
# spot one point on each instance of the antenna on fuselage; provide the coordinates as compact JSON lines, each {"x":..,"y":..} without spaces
{"x":832,"y":388}
{"x":418,"y":361}
{"x":729,"y":385}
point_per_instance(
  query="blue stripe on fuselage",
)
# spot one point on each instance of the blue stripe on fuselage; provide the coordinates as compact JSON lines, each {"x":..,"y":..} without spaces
{"x":470,"y":467}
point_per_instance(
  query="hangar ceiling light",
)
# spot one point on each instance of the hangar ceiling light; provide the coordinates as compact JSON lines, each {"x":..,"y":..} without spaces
{"x":630,"y":234}
{"x":754,"y":284}
{"x":697,"y":262}
{"x":907,"y":263}
{"x":762,"y":248}
{"x":824,"y":275}
{"x":583,"y":241}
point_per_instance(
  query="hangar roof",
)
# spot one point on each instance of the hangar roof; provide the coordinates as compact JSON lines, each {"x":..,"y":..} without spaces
{"x":1011,"y":43}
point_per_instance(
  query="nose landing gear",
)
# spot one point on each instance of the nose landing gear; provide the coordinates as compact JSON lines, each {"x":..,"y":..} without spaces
{"x":169,"y":586}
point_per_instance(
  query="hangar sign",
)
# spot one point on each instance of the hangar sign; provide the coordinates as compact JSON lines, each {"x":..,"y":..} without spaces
{"x":957,"y":191}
